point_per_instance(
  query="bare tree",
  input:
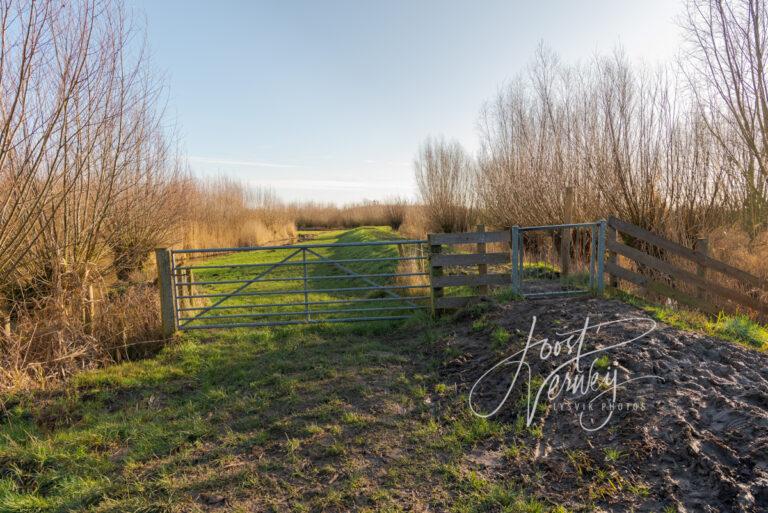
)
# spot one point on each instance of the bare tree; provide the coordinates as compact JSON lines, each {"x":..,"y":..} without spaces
{"x":395,"y":210}
{"x":445,"y":177}
{"x":43,"y":68}
{"x":621,"y":135}
{"x":726,"y":67}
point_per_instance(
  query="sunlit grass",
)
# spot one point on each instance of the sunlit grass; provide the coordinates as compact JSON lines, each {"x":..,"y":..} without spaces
{"x":735,"y":328}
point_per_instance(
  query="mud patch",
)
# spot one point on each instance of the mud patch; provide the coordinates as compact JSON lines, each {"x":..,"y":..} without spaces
{"x":699,"y":442}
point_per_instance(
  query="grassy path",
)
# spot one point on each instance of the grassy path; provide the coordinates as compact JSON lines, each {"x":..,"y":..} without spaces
{"x":299,"y":418}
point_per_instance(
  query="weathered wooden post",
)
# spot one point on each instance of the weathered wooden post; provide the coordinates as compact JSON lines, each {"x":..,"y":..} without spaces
{"x":514,"y":246}
{"x":701,"y":246}
{"x":165,"y":282}
{"x":565,"y":234}
{"x":601,"y":257}
{"x":188,"y":279}
{"x":482,"y":269}
{"x":612,"y":236}
{"x":434,"y":272}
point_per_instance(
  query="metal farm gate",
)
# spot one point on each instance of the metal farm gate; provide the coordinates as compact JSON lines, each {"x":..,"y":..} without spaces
{"x":295,"y":284}
{"x":374,"y":280}
{"x":558,"y":259}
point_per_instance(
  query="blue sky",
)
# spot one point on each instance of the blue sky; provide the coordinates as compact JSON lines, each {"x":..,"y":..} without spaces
{"x":329,"y":100}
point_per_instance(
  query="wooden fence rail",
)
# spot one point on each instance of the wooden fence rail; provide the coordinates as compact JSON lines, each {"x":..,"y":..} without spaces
{"x":480,"y":260}
{"x":704,"y":284}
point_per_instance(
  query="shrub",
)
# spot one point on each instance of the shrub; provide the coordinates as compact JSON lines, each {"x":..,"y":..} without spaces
{"x":445,"y":177}
{"x":395,"y":211}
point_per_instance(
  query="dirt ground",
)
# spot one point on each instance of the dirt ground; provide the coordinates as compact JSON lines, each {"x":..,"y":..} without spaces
{"x":691,"y":434}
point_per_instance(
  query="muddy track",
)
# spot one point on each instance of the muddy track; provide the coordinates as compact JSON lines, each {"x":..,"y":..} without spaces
{"x":693,"y":437}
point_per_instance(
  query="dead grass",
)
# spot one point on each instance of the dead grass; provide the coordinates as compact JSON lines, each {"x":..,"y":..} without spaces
{"x":391,"y":212}
{"x":53,"y":337}
{"x":412,"y":267}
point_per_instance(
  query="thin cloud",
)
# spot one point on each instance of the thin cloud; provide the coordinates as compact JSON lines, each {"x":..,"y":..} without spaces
{"x":248,"y":163}
{"x":387,"y":162}
{"x":330,"y":185}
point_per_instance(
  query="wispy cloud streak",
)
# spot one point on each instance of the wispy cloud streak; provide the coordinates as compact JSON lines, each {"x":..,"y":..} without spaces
{"x":331,"y":185}
{"x":247,"y":163}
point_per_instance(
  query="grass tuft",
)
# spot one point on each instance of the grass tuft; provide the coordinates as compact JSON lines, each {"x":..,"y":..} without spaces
{"x":735,"y":328}
{"x":500,"y":338}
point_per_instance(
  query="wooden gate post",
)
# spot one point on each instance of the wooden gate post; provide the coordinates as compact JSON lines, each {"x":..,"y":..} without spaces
{"x":434,"y":271}
{"x":565,"y":234}
{"x":165,"y":282}
{"x":188,"y":279}
{"x":611,"y":236}
{"x":601,"y":256}
{"x":517,"y":271}
{"x":482,"y":269}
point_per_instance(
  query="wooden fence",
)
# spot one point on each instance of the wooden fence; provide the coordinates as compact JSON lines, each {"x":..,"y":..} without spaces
{"x":480,"y":260}
{"x":661,"y":267}
{"x":705,"y":287}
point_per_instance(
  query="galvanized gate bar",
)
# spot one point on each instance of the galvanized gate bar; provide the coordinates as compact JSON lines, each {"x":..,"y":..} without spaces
{"x":330,"y":277}
{"x":395,"y":242}
{"x":288,"y":323}
{"x":246,"y":284}
{"x":366,"y":280}
{"x":309,"y":262}
{"x":188,"y":312}
{"x":328,"y":302}
{"x":302,"y":312}
{"x":295,"y":292}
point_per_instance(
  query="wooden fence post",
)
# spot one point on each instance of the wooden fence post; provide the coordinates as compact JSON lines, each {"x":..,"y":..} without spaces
{"x":482,"y":269}
{"x":612,"y":236}
{"x":434,"y":272}
{"x":190,"y":289}
{"x":701,"y":246}
{"x":514,"y":247}
{"x":601,"y":256}
{"x":165,"y":282}
{"x":565,"y":234}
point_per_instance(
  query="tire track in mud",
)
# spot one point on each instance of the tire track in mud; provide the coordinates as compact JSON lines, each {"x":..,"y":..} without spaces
{"x":699,"y":444}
